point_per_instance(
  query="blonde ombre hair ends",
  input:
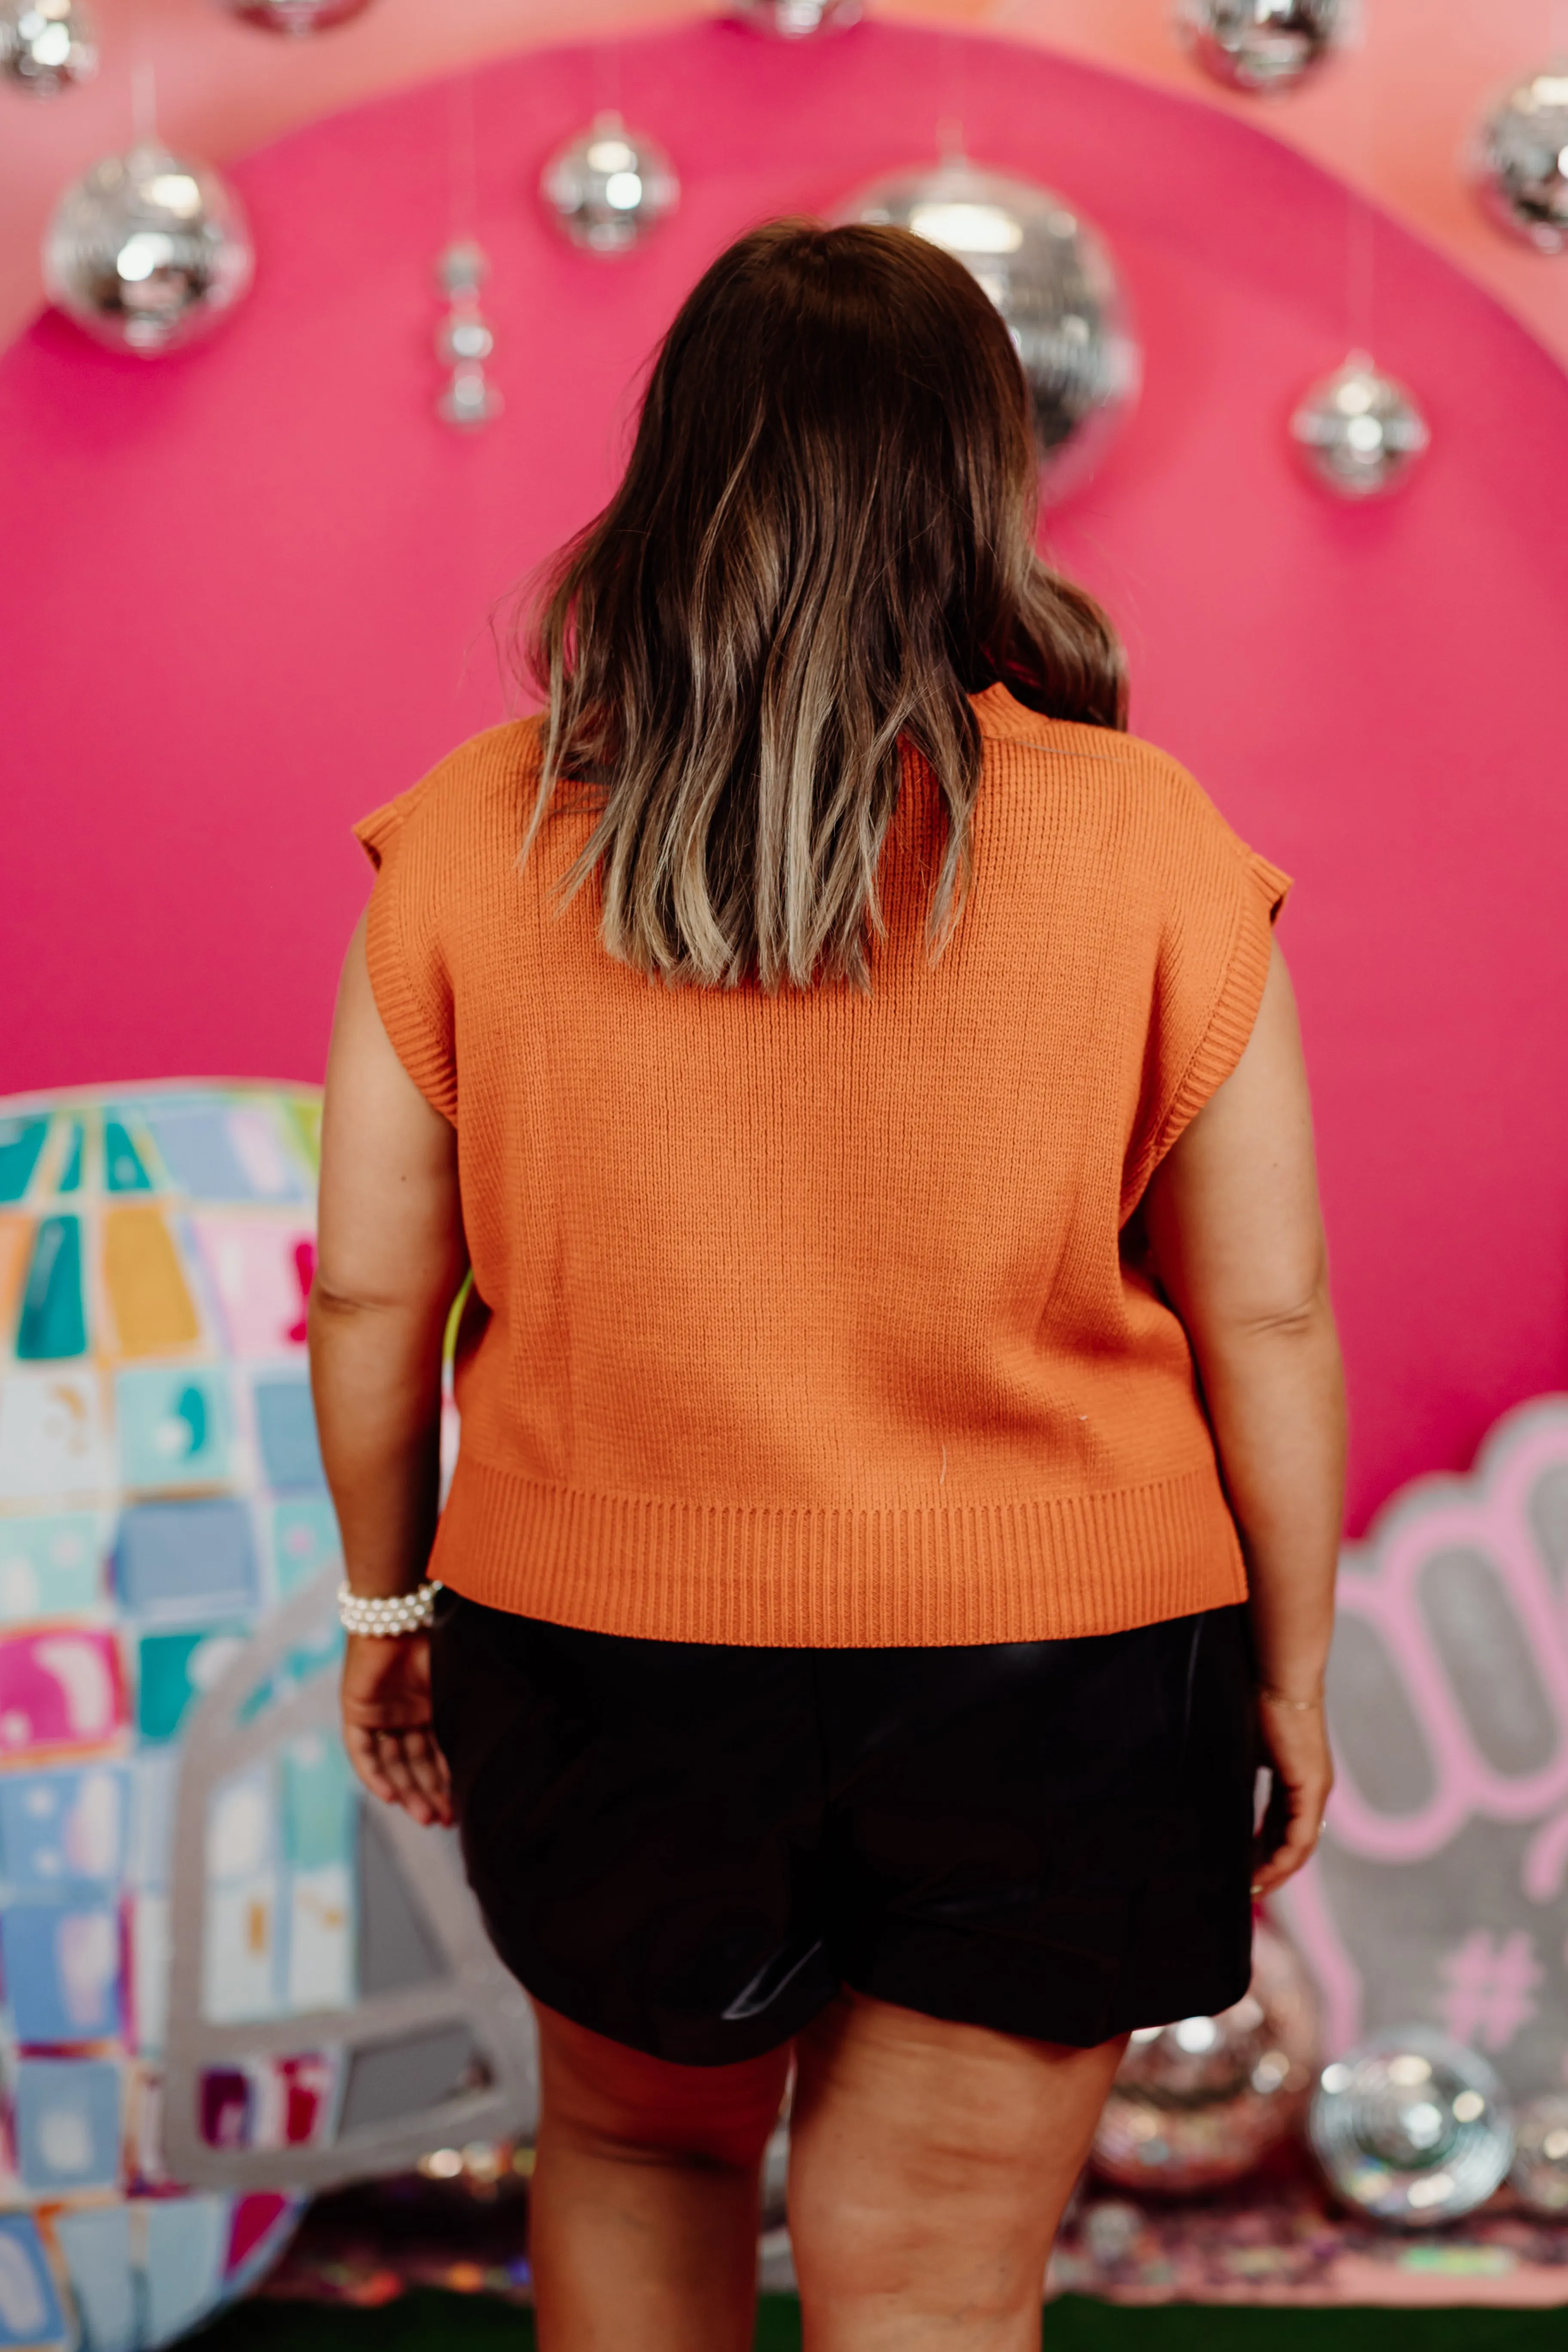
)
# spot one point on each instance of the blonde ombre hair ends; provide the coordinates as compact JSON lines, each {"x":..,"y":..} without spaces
{"x":823,"y":545}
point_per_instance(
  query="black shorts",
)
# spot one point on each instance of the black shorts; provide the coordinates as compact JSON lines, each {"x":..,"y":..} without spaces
{"x":690,"y":1848}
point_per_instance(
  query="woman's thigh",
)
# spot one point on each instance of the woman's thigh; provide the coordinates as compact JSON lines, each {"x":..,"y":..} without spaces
{"x":621,"y":2101}
{"x":929,"y":2164}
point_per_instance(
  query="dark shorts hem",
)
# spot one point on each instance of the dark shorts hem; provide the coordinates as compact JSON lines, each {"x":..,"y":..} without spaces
{"x":966,"y":1982}
{"x":705,"y":2042}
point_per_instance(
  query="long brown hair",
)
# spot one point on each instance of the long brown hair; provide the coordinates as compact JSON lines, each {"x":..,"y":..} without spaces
{"x":822,"y":546}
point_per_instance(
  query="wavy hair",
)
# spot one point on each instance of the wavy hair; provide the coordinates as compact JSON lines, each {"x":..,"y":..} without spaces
{"x":822,"y":546}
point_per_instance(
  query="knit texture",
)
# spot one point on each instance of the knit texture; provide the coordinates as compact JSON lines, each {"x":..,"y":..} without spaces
{"x":811,"y":1321}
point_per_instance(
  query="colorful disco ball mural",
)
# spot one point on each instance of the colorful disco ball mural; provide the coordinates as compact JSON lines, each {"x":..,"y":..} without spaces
{"x":226,"y":1981}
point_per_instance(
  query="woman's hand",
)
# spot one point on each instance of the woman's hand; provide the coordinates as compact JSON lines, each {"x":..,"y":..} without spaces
{"x":1297,"y":1742}
{"x":388,"y":1724}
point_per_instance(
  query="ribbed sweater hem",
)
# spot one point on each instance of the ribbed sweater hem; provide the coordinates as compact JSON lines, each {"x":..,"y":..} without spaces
{"x":1043,"y":1569}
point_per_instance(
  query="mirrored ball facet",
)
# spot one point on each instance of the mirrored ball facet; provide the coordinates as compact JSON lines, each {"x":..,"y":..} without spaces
{"x":46,"y":46}
{"x":797,"y":20}
{"x":147,"y":251}
{"x":607,"y":187}
{"x":1410,"y":2127}
{"x":295,"y":18}
{"x":1198,"y":2103}
{"x":1540,"y":2169}
{"x":1519,"y":163}
{"x":1050,"y":275}
{"x":1359,"y":432}
{"x":465,"y":337}
{"x":1259,"y":45}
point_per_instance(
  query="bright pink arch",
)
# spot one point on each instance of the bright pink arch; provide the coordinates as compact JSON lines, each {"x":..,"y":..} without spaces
{"x":248,"y":594}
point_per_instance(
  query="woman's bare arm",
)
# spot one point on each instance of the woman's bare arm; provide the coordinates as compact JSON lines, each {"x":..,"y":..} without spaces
{"x":1238,"y":1247}
{"x":391,"y":1258}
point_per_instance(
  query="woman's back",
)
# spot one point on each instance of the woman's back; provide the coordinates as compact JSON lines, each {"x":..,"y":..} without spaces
{"x":809,"y":1321}
{"x":846,"y":1666}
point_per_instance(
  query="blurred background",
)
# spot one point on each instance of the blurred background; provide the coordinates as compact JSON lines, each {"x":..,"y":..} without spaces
{"x":337,"y":331}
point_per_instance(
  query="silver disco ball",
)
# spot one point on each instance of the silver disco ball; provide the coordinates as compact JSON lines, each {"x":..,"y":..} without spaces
{"x":295,"y":18}
{"x":1259,"y":45}
{"x":1540,"y":2169}
{"x":1520,"y":161}
{"x":1359,"y":432}
{"x":607,"y":187}
{"x":1051,"y":278}
{"x":1411,"y":2127}
{"x":47,"y":45}
{"x":797,"y":20}
{"x":1198,"y":2103}
{"x":147,"y":251}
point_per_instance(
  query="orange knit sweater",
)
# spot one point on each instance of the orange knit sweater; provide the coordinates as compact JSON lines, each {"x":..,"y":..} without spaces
{"x":810,"y":1322}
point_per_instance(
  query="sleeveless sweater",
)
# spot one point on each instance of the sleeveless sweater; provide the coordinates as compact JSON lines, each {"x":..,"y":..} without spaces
{"x":813,"y":1319}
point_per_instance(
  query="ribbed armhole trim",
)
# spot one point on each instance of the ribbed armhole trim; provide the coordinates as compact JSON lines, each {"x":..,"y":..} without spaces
{"x":1229,"y":1026}
{"x":417,"y":1042}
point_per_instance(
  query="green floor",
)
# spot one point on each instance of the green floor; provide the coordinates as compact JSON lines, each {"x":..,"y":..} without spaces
{"x":448,"y":2323}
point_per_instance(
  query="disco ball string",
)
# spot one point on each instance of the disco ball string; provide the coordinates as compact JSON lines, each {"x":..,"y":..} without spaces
{"x":148,"y":251}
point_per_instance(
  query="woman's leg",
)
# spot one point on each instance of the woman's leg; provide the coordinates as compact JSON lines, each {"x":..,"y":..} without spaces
{"x":643,"y":2212}
{"x":929,"y":2167}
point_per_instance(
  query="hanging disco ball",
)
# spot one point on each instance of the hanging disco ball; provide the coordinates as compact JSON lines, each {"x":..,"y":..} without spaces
{"x":295,"y":18}
{"x":1051,"y":278}
{"x":46,"y":45}
{"x":1410,"y":2127}
{"x":1520,"y":161}
{"x":1199,"y":2103}
{"x":147,"y":251}
{"x":796,"y":20}
{"x":463,"y":341}
{"x":1359,"y":432}
{"x":607,"y":187}
{"x":1540,"y":2168}
{"x":1259,"y":45}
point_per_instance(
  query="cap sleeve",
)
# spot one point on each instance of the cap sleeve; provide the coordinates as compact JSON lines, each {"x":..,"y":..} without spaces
{"x":409,"y":974}
{"x":377,"y":832}
{"x":1213,"y":961}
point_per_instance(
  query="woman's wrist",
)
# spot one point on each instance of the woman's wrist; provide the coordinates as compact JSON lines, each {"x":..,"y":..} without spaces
{"x":1296,"y":1702}
{"x":387,"y":1616}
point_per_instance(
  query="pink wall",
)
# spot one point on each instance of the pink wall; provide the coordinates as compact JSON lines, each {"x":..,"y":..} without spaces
{"x":256,"y":577}
{"x":1391,"y":118}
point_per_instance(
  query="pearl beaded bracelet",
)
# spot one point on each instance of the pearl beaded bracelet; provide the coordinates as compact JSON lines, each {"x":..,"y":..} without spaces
{"x":387,"y":1615}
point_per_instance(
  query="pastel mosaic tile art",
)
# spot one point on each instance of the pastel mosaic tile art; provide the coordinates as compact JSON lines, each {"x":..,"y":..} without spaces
{"x":155,"y":1255}
{"x":221,"y":1984}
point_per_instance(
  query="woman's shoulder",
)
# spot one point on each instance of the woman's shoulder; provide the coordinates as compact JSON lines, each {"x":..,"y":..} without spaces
{"x":1137,"y":809}
{"x":1127,"y":768}
{"x":483,"y":789}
